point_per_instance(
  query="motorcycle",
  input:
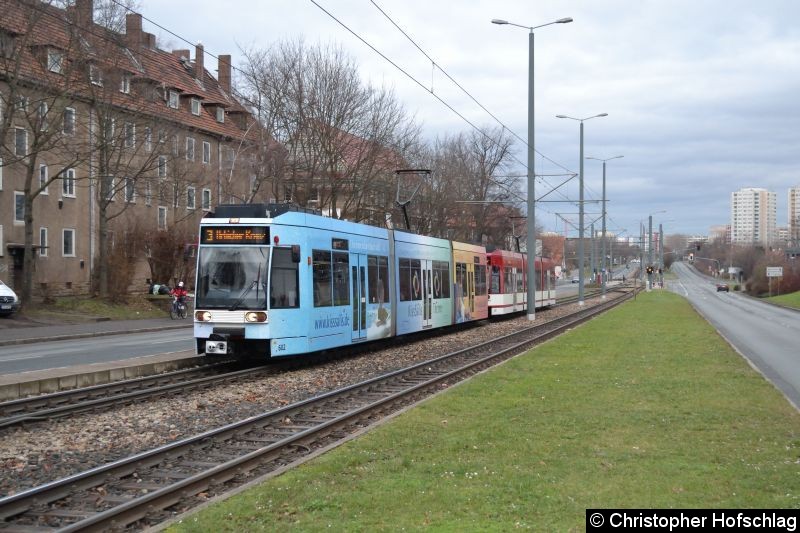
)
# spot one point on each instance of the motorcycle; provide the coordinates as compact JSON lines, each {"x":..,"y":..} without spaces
{"x":178,"y":308}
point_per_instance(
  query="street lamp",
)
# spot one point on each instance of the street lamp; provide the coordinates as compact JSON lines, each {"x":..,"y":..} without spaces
{"x":580,"y":207}
{"x":531,"y":241}
{"x":650,"y":245}
{"x":603,"y":261}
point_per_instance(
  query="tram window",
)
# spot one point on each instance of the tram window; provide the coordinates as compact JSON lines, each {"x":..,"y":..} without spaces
{"x":410,"y":282}
{"x":341,"y":278}
{"x":283,"y":289}
{"x":520,"y":286}
{"x":461,"y":278}
{"x":323,"y":289}
{"x":495,"y":280}
{"x":509,"y":281}
{"x":441,"y":279}
{"x":378,"y":272}
{"x":480,"y":280}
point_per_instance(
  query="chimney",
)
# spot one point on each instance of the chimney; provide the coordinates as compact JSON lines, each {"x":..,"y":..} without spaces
{"x":181,"y":53}
{"x":84,"y":12}
{"x":149,"y":40}
{"x":224,"y":73}
{"x":199,"y":57}
{"x":133,"y":31}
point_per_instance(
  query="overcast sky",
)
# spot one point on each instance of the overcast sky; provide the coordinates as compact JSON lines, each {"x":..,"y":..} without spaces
{"x":703,"y":97}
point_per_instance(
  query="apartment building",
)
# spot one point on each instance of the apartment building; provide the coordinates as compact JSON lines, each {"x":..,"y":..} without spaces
{"x":753,"y":217}
{"x":103,"y":135}
{"x":794,"y":216}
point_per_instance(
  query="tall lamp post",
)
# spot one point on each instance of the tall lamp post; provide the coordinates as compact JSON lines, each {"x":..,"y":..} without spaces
{"x":531,"y":241}
{"x":603,"y":261}
{"x":580,"y":207}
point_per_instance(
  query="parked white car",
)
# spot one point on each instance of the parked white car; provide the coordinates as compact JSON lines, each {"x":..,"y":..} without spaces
{"x":8,"y":300}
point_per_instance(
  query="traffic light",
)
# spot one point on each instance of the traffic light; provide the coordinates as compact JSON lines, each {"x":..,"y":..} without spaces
{"x":649,"y":270}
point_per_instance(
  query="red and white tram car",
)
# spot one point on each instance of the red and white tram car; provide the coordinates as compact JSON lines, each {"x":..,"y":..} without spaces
{"x":508,"y":288}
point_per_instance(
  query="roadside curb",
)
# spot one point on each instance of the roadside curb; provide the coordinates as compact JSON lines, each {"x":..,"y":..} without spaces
{"x":32,"y":340}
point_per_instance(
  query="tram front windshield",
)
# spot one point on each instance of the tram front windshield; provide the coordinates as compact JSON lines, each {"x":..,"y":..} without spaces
{"x":232,"y":277}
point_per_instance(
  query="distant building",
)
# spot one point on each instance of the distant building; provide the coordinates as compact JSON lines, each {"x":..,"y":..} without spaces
{"x":721,"y":233}
{"x":753,"y":217}
{"x":794,"y":216}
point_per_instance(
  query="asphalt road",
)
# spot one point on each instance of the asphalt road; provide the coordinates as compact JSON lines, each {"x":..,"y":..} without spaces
{"x":55,"y":354}
{"x":767,"y":335}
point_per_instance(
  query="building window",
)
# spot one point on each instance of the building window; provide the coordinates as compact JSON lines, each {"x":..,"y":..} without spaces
{"x":43,"y":179}
{"x":189,"y":149}
{"x":95,"y":75}
{"x":20,"y":142}
{"x":125,"y":84}
{"x":68,"y":183}
{"x":19,"y":207}
{"x":221,"y":115}
{"x":206,"y":152}
{"x":195,"y":107}
{"x":162,"y":166}
{"x":287,"y":193}
{"x":130,"y":190}
{"x":55,"y":61}
{"x":173,"y":99}
{"x":68,"y":243}
{"x":148,"y":193}
{"x":175,"y":145}
{"x":41,"y":116}
{"x":130,"y":134}
{"x":109,"y":184}
{"x":176,"y":197}
{"x":42,"y":242}
{"x":21,"y":104}
{"x":69,"y":121}
{"x":190,"y":197}
{"x":148,"y":139}
{"x":162,"y":217}
{"x":206,"y":199}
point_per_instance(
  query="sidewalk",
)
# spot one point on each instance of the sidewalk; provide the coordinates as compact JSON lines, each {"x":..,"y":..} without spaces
{"x":23,"y":330}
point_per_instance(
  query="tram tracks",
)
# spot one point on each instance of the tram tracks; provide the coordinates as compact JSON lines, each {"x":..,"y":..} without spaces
{"x":137,"y":490}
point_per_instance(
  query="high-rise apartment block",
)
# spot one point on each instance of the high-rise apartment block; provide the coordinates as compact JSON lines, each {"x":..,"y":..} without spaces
{"x":753,"y":217}
{"x":794,"y":216}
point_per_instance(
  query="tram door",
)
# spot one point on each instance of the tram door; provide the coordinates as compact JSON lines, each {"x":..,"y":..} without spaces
{"x":358,"y":273}
{"x":427,"y":293}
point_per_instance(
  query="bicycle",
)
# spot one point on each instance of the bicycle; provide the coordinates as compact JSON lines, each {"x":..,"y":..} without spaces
{"x":178,"y":308}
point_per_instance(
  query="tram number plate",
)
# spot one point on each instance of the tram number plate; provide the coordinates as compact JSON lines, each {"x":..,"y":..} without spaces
{"x":216,"y":347}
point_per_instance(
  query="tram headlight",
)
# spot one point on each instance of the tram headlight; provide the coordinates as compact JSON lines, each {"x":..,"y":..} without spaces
{"x":255,"y":316}
{"x":202,"y":316}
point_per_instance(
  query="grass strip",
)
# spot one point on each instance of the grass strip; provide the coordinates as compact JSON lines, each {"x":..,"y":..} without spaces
{"x":788,"y":300}
{"x":645,"y":406}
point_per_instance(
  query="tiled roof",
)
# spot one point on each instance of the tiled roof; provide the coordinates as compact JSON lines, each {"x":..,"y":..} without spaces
{"x":41,"y":26}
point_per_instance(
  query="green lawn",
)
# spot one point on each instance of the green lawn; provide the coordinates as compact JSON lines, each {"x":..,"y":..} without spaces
{"x":788,"y":300}
{"x":644,"y":407}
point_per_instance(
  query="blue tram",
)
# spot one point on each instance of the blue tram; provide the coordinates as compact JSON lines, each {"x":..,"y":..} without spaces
{"x":275,"y":280}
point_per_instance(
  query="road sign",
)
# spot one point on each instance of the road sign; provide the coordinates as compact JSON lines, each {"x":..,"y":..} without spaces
{"x":774,"y":272}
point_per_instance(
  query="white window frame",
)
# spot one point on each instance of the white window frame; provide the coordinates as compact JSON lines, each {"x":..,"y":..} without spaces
{"x":148,"y":193}
{"x":148,"y":139}
{"x":130,"y":191}
{"x":71,"y":123}
{"x":95,"y":75}
{"x":190,"y":148}
{"x":205,"y":200}
{"x":21,"y":103}
{"x":221,"y":115}
{"x":195,"y":107}
{"x":110,"y":126}
{"x":19,"y":221}
{"x":162,"y":217}
{"x":111,"y":192}
{"x":17,"y":132}
{"x":55,"y":61}
{"x":64,"y":233}
{"x":206,"y":152}
{"x":125,"y":84}
{"x":173,"y":99}
{"x":162,"y":167}
{"x":68,"y":183}
{"x":130,"y":135}
{"x":191,"y":197}
{"x":43,"y":178}
{"x":43,"y":241}
{"x":41,"y":115}
{"x":176,"y":195}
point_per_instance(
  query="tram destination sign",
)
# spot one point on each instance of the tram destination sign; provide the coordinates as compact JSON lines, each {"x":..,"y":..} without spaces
{"x":234,"y":235}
